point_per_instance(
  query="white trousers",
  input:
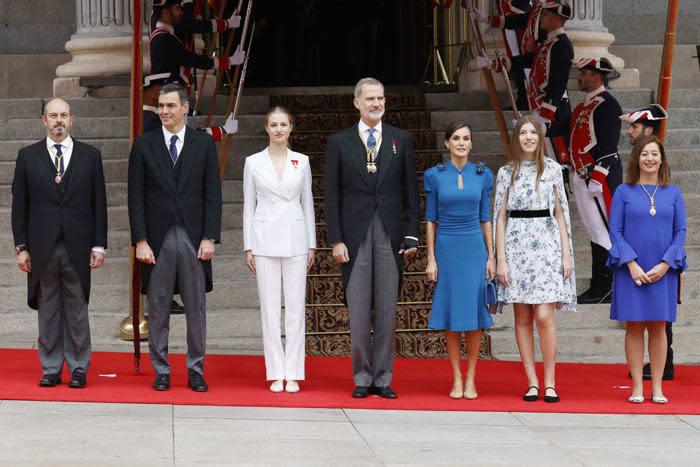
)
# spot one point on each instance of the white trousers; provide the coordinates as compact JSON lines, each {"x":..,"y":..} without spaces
{"x":585,"y":200}
{"x":273,"y":273}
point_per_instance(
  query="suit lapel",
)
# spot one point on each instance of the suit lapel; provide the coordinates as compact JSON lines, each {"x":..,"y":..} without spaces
{"x":47,"y":170}
{"x":291,"y":172}
{"x":386,"y":153}
{"x":358,"y":156}
{"x":186,"y":158}
{"x":163,"y":159}
{"x":78,"y":166}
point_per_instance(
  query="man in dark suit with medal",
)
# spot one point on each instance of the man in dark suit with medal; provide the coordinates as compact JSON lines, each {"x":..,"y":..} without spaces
{"x":59,"y":223}
{"x":175,"y":216}
{"x":372,"y":219}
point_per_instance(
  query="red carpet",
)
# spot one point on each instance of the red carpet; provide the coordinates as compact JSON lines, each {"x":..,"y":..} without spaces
{"x":421,"y":385}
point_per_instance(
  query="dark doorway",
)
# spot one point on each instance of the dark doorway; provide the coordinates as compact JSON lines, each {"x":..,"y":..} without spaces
{"x":337,"y":42}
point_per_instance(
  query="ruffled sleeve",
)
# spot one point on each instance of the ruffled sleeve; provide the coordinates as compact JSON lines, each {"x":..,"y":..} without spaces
{"x":675,"y":255}
{"x":558,"y":188}
{"x":621,"y":252}
{"x":431,"y":196}
{"x":485,"y":206}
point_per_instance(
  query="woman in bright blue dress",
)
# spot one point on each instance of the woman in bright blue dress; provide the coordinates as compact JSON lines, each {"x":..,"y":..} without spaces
{"x":460,"y":252}
{"x":647,"y":231}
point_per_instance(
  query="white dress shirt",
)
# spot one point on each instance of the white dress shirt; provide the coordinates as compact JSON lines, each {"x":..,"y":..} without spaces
{"x":67,"y":151}
{"x":364,"y":131}
{"x":180,"y":139}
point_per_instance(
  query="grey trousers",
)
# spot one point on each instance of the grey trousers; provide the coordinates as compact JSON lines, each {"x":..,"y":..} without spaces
{"x":374,"y":278}
{"x":177,"y":260}
{"x":64,"y":328}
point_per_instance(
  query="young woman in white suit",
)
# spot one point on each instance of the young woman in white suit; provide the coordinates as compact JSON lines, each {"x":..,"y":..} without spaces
{"x":279,"y":239}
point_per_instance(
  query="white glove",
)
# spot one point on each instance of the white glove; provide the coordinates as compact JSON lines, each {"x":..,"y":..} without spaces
{"x":233,"y":22}
{"x":185,"y":2}
{"x":478,"y":16}
{"x":541,"y":120}
{"x":231,"y":125}
{"x":484,"y":62}
{"x":237,"y":58}
{"x":594,"y":187}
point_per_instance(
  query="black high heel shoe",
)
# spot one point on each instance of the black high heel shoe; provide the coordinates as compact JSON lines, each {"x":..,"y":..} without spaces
{"x":551,"y":399}
{"x":531,"y":397}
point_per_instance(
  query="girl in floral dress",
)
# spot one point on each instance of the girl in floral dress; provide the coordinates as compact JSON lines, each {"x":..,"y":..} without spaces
{"x":534,"y":250}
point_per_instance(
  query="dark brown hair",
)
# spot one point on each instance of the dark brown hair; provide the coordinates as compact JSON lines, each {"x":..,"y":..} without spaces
{"x":633,"y":173}
{"x":516,"y":152}
{"x":454,"y":126}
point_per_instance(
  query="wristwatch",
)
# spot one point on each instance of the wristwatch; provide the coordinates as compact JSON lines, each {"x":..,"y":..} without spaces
{"x":20,"y":248}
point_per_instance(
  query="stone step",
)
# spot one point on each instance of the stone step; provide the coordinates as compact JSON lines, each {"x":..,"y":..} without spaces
{"x":239,"y":292}
{"x":89,"y":107}
{"x":598,"y":317}
{"x":118,"y":217}
{"x":606,"y":344}
{"x":115,"y":270}
{"x":222,"y":323}
{"x":684,"y":98}
{"x":232,"y":192}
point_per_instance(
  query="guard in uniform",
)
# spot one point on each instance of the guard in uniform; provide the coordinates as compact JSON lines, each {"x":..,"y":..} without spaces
{"x":595,"y":133}
{"x":168,"y":52}
{"x":519,"y":22}
{"x":646,"y":122}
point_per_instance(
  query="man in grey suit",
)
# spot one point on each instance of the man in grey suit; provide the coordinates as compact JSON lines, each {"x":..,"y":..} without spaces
{"x":372,"y":219}
{"x":175,"y":216}
{"x":59,"y":223}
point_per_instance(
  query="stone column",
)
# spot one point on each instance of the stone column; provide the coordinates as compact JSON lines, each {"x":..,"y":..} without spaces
{"x":588,"y":35}
{"x":101,"y":45}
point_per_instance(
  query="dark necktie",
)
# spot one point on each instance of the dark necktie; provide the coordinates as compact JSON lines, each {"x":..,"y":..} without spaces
{"x":59,"y":159}
{"x":173,"y":148}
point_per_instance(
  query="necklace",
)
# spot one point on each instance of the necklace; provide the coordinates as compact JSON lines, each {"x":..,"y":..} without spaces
{"x":371,"y":153}
{"x":59,"y":162}
{"x":652,"y":209}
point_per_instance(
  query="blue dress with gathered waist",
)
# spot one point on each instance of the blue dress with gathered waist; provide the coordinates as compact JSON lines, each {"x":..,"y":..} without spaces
{"x":459,"y":302}
{"x":637,"y":235}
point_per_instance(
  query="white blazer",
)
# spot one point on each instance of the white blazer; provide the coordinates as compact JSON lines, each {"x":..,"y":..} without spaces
{"x":278,"y":215}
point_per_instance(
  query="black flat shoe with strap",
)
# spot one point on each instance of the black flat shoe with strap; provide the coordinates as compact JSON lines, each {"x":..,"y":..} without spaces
{"x":551,"y":399}
{"x":531,"y":397}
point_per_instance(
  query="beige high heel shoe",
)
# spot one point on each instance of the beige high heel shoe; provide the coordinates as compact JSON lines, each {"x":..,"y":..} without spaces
{"x":457,"y":391}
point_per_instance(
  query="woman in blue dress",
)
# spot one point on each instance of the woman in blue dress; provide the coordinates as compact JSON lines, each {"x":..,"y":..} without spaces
{"x":460,"y":252}
{"x":647,"y":231}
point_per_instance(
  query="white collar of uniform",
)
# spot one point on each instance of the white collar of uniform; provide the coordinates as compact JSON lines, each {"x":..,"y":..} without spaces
{"x":150,"y":108}
{"x":165,"y":26}
{"x":555,"y":33}
{"x":595,"y":92}
{"x":180,"y":134}
{"x":364,"y":127}
{"x":66,"y":143}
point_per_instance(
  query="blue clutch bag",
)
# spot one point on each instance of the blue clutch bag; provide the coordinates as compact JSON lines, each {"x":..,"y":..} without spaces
{"x":491,"y":296}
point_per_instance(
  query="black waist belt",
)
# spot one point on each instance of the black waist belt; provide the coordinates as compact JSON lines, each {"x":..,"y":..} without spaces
{"x":540,"y":213}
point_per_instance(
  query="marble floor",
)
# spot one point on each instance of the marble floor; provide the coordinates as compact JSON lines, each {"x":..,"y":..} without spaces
{"x":82,"y":434}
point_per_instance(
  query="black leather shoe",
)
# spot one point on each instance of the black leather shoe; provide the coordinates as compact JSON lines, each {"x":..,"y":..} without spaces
{"x":531,"y":397}
{"x":162,"y":382}
{"x":176,"y":308}
{"x":78,"y":380}
{"x":360,"y":392}
{"x":386,"y":392}
{"x":196,"y":382}
{"x":551,"y":399}
{"x":50,"y":380}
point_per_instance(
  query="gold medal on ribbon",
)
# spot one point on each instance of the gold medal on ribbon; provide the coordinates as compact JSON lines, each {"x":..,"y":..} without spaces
{"x":371,"y":153}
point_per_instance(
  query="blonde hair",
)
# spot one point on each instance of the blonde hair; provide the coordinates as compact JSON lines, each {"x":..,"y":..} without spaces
{"x":516,"y":152}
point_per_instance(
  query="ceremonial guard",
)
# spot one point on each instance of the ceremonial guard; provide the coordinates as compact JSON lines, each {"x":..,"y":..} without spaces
{"x":647,"y":122}
{"x":549,"y":72}
{"x":518,"y":20}
{"x":595,"y":133}
{"x":169,"y":53}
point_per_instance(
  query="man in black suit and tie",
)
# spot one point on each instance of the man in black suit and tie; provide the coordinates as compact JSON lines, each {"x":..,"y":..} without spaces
{"x":59,"y":223}
{"x":175,"y":215}
{"x":372,"y":218}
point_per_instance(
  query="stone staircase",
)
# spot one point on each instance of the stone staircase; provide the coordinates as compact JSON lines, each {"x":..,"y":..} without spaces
{"x":590,"y":335}
{"x":232,"y":314}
